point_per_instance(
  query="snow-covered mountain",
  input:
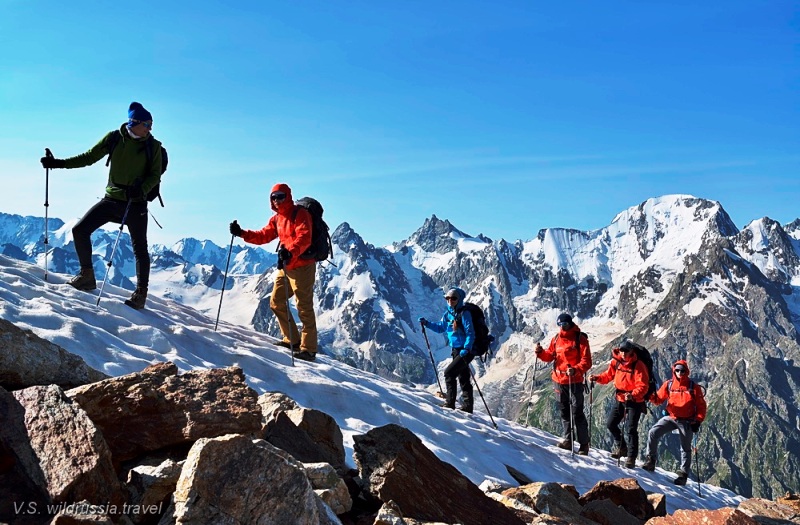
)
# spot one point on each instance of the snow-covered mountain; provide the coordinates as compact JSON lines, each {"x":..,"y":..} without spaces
{"x":118,"y":340}
{"x":673,"y":273}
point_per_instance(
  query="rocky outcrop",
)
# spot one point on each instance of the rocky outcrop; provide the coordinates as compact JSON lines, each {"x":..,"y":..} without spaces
{"x":624,"y":492}
{"x":28,"y":360}
{"x":157,"y":408}
{"x":233,"y":479}
{"x":724,"y":516}
{"x":396,"y":466}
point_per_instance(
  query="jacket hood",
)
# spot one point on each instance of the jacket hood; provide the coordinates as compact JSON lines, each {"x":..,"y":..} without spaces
{"x":288,"y":204}
{"x":684,"y":364}
{"x":461,"y":294}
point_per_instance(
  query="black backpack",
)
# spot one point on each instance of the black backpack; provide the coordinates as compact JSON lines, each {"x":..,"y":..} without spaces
{"x":643,"y":354}
{"x":483,"y":339}
{"x":155,"y":192}
{"x":321,"y":247}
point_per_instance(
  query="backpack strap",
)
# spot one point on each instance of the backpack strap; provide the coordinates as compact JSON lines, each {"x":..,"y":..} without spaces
{"x":111,"y":143}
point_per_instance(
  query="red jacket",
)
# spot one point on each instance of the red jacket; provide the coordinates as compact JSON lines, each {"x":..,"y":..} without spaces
{"x":563,"y":351}
{"x":292,"y":228}
{"x":681,"y":403}
{"x":629,"y":376}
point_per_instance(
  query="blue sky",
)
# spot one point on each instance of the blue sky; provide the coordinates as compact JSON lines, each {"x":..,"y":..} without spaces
{"x":503,"y":117}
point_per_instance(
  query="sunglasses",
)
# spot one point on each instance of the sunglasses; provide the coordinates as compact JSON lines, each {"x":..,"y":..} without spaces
{"x":277,"y":197}
{"x":450,"y":298}
{"x":680,"y":370}
{"x":564,"y":323}
{"x":146,"y":123}
{"x":621,"y":350}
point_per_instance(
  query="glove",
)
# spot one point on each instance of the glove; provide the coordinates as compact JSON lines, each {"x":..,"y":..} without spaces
{"x":235,"y":229}
{"x":695,"y":427}
{"x":570,"y":371}
{"x":593,"y":378}
{"x":422,"y":321}
{"x":284,"y":254}
{"x":52,"y":162}
{"x":134,"y":191}
{"x":538,"y":350}
{"x":464,"y":352}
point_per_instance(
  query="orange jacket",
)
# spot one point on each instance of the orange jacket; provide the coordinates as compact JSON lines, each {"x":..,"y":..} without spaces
{"x":295,"y":235}
{"x":629,"y":376}
{"x":563,"y":351}
{"x":681,"y":404}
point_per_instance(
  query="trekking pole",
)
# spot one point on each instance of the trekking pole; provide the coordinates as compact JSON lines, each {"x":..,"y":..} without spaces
{"x":113,"y":251}
{"x":435,"y":370}
{"x":697,"y":463}
{"x":591,"y":400}
{"x":624,"y":421}
{"x":154,"y":217}
{"x":481,"y":394}
{"x":49,"y":155}
{"x":530,"y":396}
{"x":571,"y":417}
{"x":224,"y":279}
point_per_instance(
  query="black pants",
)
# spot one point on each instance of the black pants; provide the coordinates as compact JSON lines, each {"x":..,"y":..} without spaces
{"x":631,"y":428}
{"x":576,"y":399}
{"x":112,"y":210}
{"x":459,"y":369}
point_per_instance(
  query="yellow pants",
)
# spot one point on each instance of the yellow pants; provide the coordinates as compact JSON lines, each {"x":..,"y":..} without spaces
{"x":301,"y":286}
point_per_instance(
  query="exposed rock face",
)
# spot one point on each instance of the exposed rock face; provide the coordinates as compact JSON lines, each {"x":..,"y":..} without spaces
{"x":724,"y":516}
{"x":156,"y":408}
{"x":400,"y":468}
{"x":233,"y":480}
{"x":28,"y":360}
{"x":551,"y":499}
{"x":624,"y":492}
{"x":767,"y":512}
{"x":58,"y":447}
{"x":309,"y":435}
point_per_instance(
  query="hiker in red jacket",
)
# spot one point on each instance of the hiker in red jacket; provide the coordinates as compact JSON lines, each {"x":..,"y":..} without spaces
{"x":686,"y":409}
{"x":291,"y":225}
{"x":630,"y":379}
{"x":573,"y":358}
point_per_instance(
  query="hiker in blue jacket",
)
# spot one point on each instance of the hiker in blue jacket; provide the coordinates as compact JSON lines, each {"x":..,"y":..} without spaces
{"x":458,"y":327}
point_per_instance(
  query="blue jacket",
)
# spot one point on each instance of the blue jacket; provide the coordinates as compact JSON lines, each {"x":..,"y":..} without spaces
{"x":463,"y":335}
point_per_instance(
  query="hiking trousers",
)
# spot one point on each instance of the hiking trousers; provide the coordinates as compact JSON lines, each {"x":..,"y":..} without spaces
{"x":458,"y":369}
{"x":666,"y":425}
{"x":301,"y":287}
{"x":631,"y":428}
{"x":581,"y":424}
{"x":112,"y":210}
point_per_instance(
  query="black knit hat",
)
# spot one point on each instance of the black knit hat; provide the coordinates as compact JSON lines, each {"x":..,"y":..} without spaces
{"x":564,"y":318}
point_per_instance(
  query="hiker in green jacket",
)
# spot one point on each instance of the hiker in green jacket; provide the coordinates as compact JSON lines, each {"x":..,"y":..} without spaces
{"x":135,"y":169}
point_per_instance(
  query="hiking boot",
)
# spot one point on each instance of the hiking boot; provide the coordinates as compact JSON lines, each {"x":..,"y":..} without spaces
{"x":584,"y":449}
{"x":649,"y":464}
{"x":620,"y":449}
{"x":464,"y":408}
{"x":138,"y":298}
{"x":84,"y":281}
{"x":630,"y":462}
{"x":565,"y":444}
{"x":286,"y":344}
{"x":305,"y":355}
{"x":448,"y":405}
{"x":681,"y":479}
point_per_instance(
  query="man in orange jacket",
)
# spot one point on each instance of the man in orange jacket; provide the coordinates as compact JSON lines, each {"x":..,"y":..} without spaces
{"x":573,"y":358}
{"x":291,"y":224}
{"x":686,"y":409}
{"x":630,"y":379}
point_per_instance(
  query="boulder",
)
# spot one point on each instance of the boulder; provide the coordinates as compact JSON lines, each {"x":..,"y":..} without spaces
{"x":605,"y":512}
{"x":150,"y":486}
{"x":767,"y":512}
{"x":396,"y":465}
{"x":723,"y":516}
{"x":329,"y":486}
{"x":625,"y":492}
{"x":157,"y":408}
{"x":28,"y":360}
{"x":552,"y":500}
{"x":57,"y":447}
{"x":232,"y":480}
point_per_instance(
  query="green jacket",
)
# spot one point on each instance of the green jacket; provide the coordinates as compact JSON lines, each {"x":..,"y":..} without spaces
{"x":128,"y":163}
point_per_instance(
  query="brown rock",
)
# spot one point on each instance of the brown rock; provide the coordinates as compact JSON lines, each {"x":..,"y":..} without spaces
{"x":28,"y":360}
{"x":551,"y":499}
{"x":156,"y":408}
{"x":767,"y":512}
{"x":150,"y":486}
{"x":397,"y":466}
{"x":723,"y":516}
{"x":624,"y":492}
{"x":58,"y":447}
{"x":659,"y":503}
{"x":604,"y":512}
{"x":232,"y":480}
{"x":309,"y":435}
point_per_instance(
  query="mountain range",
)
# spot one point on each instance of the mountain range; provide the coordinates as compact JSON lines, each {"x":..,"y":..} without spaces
{"x":673,"y":273}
